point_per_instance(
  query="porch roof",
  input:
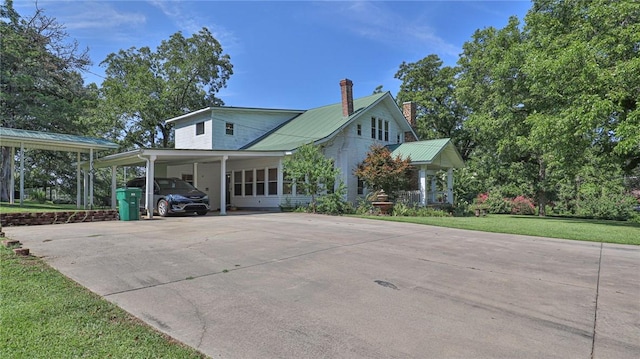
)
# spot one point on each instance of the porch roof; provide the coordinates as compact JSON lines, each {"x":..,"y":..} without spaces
{"x":139,"y":156}
{"x":440,"y":152}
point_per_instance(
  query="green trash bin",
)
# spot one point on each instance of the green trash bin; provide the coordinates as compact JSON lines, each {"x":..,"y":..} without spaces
{"x":129,"y":203}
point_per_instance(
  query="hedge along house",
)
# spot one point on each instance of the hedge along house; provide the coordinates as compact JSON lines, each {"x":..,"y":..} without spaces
{"x":235,"y":154}
{"x":25,"y":139}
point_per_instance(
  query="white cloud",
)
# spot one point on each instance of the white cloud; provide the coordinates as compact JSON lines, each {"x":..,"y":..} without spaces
{"x":378,"y":21}
{"x":189,"y":21}
{"x":101,"y":15}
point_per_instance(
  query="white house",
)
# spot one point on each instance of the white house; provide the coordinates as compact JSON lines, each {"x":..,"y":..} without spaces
{"x":235,"y":154}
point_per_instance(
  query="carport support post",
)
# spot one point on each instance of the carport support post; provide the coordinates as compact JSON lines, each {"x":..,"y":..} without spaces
{"x":223,"y":185}
{"x":91,"y":178}
{"x":195,"y":174}
{"x":150,"y":186}
{"x":21,"y":173}
{"x":78,"y":184}
{"x":85,"y":187}
{"x":113,"y":187}
{"x":12,"y":179}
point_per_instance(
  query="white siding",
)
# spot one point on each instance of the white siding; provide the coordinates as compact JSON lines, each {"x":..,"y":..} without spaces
{"x":248,"y":125}
{"x":349,"y":149}
{"x":185,"y":133}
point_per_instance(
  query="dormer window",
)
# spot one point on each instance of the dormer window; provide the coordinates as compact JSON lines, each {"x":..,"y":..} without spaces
{"x":228,"y":128}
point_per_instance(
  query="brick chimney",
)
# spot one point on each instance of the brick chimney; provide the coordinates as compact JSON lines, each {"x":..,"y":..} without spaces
{"x":409,"y":112}
{"x":346,"y":88}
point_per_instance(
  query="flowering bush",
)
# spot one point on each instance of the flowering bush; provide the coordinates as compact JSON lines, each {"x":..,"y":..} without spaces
{"x":522,"y":205}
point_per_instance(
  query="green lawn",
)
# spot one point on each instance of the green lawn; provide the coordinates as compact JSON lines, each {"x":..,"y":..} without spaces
{"x":29,"y":206}
{"x":45,"y":315}
{"x":554,"y":227}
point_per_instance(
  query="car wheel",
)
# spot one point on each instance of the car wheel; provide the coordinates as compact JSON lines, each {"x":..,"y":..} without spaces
{"x":202,"y":213}
{"x":163,"y":208}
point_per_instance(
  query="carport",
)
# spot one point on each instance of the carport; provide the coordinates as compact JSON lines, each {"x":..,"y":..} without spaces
{"x":25,"y":139}
{"x":150,"y":158}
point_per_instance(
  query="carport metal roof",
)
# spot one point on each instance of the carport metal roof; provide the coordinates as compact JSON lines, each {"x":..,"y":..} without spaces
{"x":49,"y":141}
{"x":11,"y":137}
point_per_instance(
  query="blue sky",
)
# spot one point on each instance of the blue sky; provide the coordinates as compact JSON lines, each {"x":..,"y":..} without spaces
{"x":287,"y":54}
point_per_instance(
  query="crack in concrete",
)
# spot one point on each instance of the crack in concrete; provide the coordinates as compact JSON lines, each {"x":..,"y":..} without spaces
{"x":595,"y":311}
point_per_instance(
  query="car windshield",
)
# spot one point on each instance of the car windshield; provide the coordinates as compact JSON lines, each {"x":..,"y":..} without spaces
{"x":174,"y":183}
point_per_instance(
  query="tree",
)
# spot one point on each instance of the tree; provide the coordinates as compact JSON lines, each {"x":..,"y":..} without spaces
{"x":381,"y":171}
{"x":144,"y":87}
{"x":439,"y":113}
{"x":311,"y":172}
{"x":40,"y":88}
{"x":547,"y":97}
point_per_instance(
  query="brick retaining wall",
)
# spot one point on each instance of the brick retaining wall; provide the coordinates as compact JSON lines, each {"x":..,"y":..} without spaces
{"x":28,"y":219}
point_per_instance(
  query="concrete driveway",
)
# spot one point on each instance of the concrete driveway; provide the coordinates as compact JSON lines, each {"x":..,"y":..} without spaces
{"x":283,"y":285}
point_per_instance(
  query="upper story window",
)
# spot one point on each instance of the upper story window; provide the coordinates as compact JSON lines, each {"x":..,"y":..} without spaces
{"x":200,"y":128}
{"x":373,"y":128}
{"x":379,"y":129}
{"x":359,"y":129}
{"x":386,"y":131}
{"x":228,"y":128}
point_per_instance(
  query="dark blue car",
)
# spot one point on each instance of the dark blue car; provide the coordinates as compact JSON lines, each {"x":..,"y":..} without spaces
{"x":173,"y":195}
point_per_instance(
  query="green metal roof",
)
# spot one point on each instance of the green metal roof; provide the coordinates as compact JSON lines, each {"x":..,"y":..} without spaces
{"x":11,"y":137}
{"x":311,"y":126}
{"x":437,"y":152}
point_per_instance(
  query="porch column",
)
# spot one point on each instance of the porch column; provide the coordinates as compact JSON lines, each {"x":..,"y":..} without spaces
{"x":113,"y":187}
{"x":433,"y":189}
{"x":223,"y":185}
{"x":149,"y":205}
{"x":21,"y":174}
{"x":422,"y":179}
{"x":450,"y":186}
{"x":91,"y":178}
{"x":78,"y":183}
{"x":280,"y":179}
{"x":12,"y":179}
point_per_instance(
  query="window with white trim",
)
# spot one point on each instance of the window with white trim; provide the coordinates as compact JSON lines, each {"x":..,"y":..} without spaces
{"x":273,"y":182}
{"x":200,"y":128}
{"x":260,"y":181}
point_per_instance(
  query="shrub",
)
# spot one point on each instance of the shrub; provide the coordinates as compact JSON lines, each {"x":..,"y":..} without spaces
{"x":611,"y":206}
{"x":39,"y":196}
{"x":522,"y":205}
{"x":497,"y":204}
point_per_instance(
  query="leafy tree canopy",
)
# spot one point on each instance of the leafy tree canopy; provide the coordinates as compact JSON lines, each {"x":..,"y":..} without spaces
{"x":145,"y":87}
{"x":40,"y":89}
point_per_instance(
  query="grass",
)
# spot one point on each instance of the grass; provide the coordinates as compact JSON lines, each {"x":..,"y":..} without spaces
{"x":553,"y":227}
{"x":30,"y":206}
{"x":46,"y":315}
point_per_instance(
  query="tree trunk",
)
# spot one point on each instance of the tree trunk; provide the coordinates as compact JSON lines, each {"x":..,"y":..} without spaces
{"x":542,"y":193}
{"x":5,"y":174}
